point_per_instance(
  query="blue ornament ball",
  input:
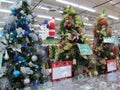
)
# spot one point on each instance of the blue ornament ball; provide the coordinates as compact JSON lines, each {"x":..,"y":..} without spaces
{"x":26,"y":33}
{"x":16,"y":73}
{"x":37,"y":67}
{"x":13,"y":9}
{"x":24,"y":44}
{"x":7,"y":27}
{"x":29,"y":51}
{"x":15,"y":57}
{"x":36,"y":83}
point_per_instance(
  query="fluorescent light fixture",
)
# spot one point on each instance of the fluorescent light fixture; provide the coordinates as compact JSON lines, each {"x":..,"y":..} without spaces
{"x":113,"y":17}
{"x":2,"y":22}
{"x":1,"y":28}
{"x":44,"y":8}
{"x":49,"y":17}
{"x":5,"y":11}
{"x":6,"y":1}
{"x":76,"y":5}
{"x":88,"y":24}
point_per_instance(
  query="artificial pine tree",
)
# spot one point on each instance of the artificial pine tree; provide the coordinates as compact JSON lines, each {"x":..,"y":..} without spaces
{"x":23,"y":55}
{"x":104,"y":50}
{"x":71,"y":33}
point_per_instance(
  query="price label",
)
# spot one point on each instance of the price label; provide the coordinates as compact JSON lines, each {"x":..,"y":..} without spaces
{"x":85,"y":49}
{"x":61,"y":70}
{"x":111,"y":65}
{"x":108,"y":40}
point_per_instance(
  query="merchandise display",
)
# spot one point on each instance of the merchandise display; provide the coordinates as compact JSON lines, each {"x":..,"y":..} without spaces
{"x":104,"y":45}
{"x":59,"y":45}
{"x":71,"y":36}
{"x":23,"y":54}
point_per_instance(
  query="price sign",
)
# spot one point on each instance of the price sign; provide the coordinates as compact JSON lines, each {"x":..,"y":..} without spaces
{"x":85,"y":49}
{"x":111,"y":65}
{"x":61,"y":70}
{"x":108,"y":40}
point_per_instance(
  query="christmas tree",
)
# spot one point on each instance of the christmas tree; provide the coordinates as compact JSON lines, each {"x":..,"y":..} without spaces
{"x":104,"y":47}
{"x":24,"y":54}
{"x":71,"y":33}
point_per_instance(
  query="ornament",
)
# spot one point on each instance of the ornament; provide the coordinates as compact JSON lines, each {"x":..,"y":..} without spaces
{"x":36,"y":83}
{"x":15,"y":57}
{"x":95,"y":73}
{"x":16,"y":73}
{"x":26,"y":33}
{"x":26,"y":81}
{"x":117,"y":58}
{"x":6,"y":57}
{"x":67,"y":57}
{"x":41,"y":52}
{"x":37,"y":67}
{"x":33,"y":36}
{"x":22,"y":11}
{"x":24,"y":44}
{"x":111,"y":53}
{"x":34,"y":58}
{"x":74,"y":61}
{"x":31,"y":64}
{"x":103,"y":62}
{"x":26,"y":70}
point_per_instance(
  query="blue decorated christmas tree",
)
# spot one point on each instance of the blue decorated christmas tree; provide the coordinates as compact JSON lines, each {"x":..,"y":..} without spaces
{"x":22,"y":54}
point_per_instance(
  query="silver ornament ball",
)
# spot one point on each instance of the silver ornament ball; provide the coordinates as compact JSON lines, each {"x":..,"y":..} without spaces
{"x":34,"y":58}
{"x":26,"y":81}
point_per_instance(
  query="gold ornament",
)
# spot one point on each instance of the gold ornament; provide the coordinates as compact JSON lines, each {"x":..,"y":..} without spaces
{"x":74,"y":61}
{"x":93,"y":61}
{"x":90,"y":74}
{"x":103,"y":62}
{"x":111,"y":53}
{"x":95,"y":73}
{"x":85,"y":57}
{"x":97,"y":31}
{"x":117,"y":58}
{"x":106,"y":58}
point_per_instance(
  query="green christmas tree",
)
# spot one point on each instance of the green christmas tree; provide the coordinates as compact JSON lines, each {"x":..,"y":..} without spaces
{"x":71,"y":33}
{"x":104,"y":47}
{"x":23,"y":54}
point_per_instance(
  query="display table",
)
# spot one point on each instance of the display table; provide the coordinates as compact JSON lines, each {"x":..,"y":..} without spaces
{"x":109,"y":81}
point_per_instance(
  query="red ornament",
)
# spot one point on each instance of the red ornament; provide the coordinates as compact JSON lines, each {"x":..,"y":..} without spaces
{"x":102,"y":22}
{"x":115,"y":50}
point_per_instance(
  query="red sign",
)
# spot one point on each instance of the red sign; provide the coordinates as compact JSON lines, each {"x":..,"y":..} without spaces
{"x":111,"y":65}
{"x":61,"y":70}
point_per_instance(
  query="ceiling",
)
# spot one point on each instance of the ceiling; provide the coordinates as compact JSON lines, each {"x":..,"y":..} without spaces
{"x":54,"y":8}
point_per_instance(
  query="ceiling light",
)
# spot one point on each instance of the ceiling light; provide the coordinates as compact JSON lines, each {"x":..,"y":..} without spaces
{"x":2,"y":22}
{"x":88,"y":24}
{"x":44,"y":8}
{"x":76,"y":5}
{"x":48,"y":17}
{"x":5,"y":11}
{"x":113,"y":17}
{"x":1,"y":28}
{"x":6,"y":1}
